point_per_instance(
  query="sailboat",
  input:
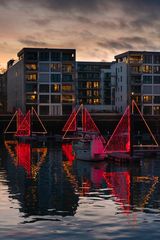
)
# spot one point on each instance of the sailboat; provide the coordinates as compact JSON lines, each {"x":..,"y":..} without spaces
{"x":21,"y":126}
{"x":88,"y":143}
{"x":123,"y":143}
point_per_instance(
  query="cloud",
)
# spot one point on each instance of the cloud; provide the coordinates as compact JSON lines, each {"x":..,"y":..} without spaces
{"x":33,"y":43}
{"x":113,"y":44}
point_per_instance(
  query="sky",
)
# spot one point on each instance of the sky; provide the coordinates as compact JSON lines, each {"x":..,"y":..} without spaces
{"x":97,"y":29}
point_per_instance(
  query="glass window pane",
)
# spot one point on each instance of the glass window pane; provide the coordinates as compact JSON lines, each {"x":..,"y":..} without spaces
{"x":43,"y":77}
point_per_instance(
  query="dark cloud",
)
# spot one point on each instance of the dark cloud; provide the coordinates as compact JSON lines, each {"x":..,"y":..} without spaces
{"x":108,"y":44}
{"x":34,"y":43}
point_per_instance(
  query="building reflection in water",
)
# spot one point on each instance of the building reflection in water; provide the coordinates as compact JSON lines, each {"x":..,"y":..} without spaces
{"x":48,"y":180}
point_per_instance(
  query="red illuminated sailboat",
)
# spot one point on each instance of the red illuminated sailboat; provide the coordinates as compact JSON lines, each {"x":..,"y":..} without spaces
{"x":21,"y":126}
{"x":88,"y":142}
{"x":122,"y":143}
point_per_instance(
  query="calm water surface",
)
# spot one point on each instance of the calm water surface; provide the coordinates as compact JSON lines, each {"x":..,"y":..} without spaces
{"x":45,"y":193}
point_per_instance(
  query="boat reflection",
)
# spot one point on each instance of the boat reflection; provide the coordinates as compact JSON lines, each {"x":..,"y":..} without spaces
{"x":25,"y":156}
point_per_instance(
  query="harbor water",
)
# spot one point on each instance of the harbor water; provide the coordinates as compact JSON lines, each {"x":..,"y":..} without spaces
{"x":45,"y":193}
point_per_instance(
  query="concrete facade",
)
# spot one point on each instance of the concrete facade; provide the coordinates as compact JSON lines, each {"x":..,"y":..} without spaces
{"x":44,"y":79}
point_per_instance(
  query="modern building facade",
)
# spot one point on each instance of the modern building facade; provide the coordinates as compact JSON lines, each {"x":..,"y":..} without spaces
{"x":92,"y":85}
{"x":44,"y":79}
{"x":137,"y":75}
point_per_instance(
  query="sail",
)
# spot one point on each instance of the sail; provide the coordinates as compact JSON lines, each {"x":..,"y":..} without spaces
{"x":71,"y":122}
{"x":120,"y":139}
{"x":23,"y":129}
{"x":37,"y":127}
{"x":143,"y":135}
{"x":89,"y":125}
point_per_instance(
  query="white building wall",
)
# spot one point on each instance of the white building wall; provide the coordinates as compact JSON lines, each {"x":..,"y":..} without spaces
{"x":15,"y":87}
{"x":121,"y":89}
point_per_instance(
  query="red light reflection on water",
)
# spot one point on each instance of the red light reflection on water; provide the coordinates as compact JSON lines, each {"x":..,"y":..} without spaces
{"x":119,"y":182}
{"x":68,"y":152}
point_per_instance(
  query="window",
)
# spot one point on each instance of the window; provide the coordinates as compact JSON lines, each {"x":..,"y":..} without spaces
{"x":156,"y":69}
{"x":96,"y":93}
{"x":89,"y":93}
{"x":56,"y":88}
{"x":156,"y":110}
{"x":157,"y":59}
{"x":43,"y":77}
{"x":67,"y":88}
{"x":55,"y":67}
{"x":147,"y":59}
{"x":44,"y":110}
{"x":96,"y":84}
{"x":55,"y":56}
{"x":31,"y":98}
{"x":43,"y":88}
{"x":96,"y":101}
{"x":156,"y":79}
{"x":136,"y":79}
{"x":156,"y":89}
{"x":147,"y":99}
{"x":31,"y":87}
{"x":88,"y":84}
{"x":31,"y":55}
{"x":55,"y":77}
{"x":147,"y":79}
{"x":147,"y":69}
{"x":67,"y":98}
{"x":44,"y":98}
{"x":157,"y":99}
{"x":67,"y":68}
{"x":31,"y":67}
{"x":135,"y":69}
{"x":68,"y":56}
{"x":67,"y":78}
{"x":147,"y":110}
{"x":31,"y":77}
{"x":55,"y":98}
{"x":43,"y":67}
{"x":147,"y":89}
{"x":44,"y":56}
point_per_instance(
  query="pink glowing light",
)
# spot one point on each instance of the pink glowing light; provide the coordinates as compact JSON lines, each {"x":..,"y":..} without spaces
{"x":120,"y":139}
{"x":23,"y":128}
{"x":24,"y":157}
{"x":120,"y":182}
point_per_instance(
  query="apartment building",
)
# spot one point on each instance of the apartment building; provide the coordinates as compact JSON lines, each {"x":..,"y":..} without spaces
{"x":137,"y":75}
{"x":44,"y":79}
{"x":91,"y":85}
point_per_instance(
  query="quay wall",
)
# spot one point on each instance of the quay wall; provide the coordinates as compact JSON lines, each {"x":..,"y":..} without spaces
{"x":105,"y":122}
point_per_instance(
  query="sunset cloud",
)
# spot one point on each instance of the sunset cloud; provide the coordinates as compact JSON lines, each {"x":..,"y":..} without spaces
{"x":98,"y":29}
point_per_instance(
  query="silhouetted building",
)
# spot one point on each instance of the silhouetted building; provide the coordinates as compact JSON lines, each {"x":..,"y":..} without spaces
{"x":42,"y":78}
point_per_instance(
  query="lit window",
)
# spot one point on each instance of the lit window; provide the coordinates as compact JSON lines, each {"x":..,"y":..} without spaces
{"x":96,"y":84}
{"x":31,"y":66}
{"x":31,"y":77}
{"x":56,"y":88}
{"x":89,"y":93}
{"x":88,"y":84}
{"x":96,"y":101}
{"x":67,"y":87}
{"x":147,"y":99}
{"x":67,"y":98}
{"x":55,"y":67}
{"x":67,"y":68}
